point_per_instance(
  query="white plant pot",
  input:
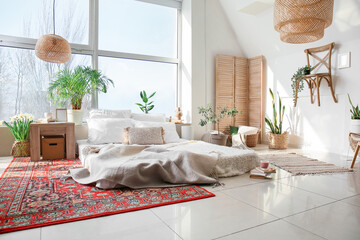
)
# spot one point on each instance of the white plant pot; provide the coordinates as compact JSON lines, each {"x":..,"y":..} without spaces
{"x":355,"y":126}
{"x":75,"y":116}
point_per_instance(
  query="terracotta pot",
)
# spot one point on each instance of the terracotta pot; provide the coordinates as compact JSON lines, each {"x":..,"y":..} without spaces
{"x":278,"y":141}
{"x":20,"y":149}
{"x":219,"y":139}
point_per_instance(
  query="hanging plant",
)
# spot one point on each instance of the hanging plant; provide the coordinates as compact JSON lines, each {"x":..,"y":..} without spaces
{"x":297,"y":83}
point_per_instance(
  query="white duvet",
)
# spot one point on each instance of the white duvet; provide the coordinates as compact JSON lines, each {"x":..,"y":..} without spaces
{"x":230,"y":161}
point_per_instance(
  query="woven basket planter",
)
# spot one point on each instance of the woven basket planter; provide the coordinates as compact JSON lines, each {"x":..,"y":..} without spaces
{"x":219,"y":139}
{"x":354,"y":139}
{"x":252,"y":139}
{"x":20,"y":149}
{"x":278,"y":141}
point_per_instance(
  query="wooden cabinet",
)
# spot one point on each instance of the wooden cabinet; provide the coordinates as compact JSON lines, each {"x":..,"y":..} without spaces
{"x":37,"y":130}
{"x":240,"y":83}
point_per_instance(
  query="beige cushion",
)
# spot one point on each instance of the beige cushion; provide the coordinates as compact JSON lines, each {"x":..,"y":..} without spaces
{"x":144,"y":135}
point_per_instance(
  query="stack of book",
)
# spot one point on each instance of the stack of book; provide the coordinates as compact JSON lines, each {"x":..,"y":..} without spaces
{"x":262,"y":173}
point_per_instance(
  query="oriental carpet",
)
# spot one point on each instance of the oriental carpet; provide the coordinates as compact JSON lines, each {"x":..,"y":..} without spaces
{"x":33,"y":194}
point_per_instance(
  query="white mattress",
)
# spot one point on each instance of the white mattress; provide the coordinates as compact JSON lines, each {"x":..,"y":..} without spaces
{"x":232,"y":161}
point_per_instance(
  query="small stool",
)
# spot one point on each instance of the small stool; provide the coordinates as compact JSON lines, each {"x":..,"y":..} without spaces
{"x":354,"y":140}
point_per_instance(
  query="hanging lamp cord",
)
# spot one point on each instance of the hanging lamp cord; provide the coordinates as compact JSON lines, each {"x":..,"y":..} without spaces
{"x":54,"y":15}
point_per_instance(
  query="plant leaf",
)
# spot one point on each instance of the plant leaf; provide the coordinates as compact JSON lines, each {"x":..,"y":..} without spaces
{"x":152,"y":94}
{"x":150,"y":107}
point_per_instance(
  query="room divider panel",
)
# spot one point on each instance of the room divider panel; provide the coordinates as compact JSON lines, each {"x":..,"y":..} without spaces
{"x":239,"y":83}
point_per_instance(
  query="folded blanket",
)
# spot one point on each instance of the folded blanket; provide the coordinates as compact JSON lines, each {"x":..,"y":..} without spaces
{"x":138,"y":166}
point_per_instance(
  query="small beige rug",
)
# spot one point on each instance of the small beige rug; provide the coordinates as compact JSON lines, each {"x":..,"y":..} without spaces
{"x":300,"y":165}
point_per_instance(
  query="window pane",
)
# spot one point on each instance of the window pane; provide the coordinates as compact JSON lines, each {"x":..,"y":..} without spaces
{"x":132,"y":76}
{"x":137,"y":27}
{"x":24,"y":80}
{"x":24,"y":18}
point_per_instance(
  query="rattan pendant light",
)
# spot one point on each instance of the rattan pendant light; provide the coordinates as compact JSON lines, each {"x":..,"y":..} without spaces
{"x":53,"y":48}
{"x":302,"y":21}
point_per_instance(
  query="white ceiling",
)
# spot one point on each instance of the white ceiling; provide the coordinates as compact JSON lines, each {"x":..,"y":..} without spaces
{"x":256,"y":35}
{"x":254,"y":7}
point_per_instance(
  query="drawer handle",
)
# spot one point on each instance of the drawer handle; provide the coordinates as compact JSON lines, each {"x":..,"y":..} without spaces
{"x":53,"y":144}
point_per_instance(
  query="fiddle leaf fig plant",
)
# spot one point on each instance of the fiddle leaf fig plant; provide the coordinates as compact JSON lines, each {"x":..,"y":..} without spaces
{"x":210,"y":115}
{"x":148,"y":105}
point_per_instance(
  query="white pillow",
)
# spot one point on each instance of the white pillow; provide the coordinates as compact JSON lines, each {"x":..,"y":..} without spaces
{"x":171,"y":134}
{"x":103,"y":113}
{"x":156,"y":117}
{"x":245,"y":130}
{"x":144,"y":136}
{"x":107,"y":130}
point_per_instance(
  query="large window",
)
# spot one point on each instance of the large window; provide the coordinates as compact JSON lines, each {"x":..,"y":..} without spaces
{"x":137,"y":27}
{"x":24,"y":80}
{"x":32,"y":19}
{"x":133,"y":42}
{"x":131,"y":77}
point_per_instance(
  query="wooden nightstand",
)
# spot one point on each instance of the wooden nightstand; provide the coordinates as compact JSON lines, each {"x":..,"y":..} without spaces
{"x":37,"y":130}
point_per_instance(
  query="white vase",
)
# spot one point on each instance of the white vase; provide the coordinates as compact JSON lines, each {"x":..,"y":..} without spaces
{"x":75,"y":116}
{"x":355,"y":126}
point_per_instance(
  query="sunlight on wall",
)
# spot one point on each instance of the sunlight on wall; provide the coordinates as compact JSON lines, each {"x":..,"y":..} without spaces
{"x":270,"y":84}
{"x":312,"y":140}
{"x":295,"y":123}
{"x":185,"y":99}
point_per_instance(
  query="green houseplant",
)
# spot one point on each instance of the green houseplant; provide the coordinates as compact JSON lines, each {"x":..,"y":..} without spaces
{"x":277,"y":138}
{"x":147,"y":106}
{"x":355,"y":117}
{"x":19,"y":126}
{"x":297,"y":83}
{"x":71,"y":86}
{"x":210,"y":115}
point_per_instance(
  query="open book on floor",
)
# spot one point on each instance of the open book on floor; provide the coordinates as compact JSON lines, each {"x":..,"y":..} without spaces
{"x":262,"y":173}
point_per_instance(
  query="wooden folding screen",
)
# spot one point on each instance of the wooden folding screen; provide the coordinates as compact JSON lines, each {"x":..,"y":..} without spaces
{"x":225,"y":86}
{"x":256,"y":93}
{"x":239,"y":83}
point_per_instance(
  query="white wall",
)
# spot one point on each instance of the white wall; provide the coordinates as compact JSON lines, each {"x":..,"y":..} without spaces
{"x":325,"y":127}
{"x":210,"y":34}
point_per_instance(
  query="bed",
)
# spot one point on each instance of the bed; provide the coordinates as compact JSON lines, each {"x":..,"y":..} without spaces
{"x":189,"y":161}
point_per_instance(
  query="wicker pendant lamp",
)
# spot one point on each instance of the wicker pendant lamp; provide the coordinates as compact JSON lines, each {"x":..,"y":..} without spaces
{"x":53,"y":48}
{"x":302,"y":21}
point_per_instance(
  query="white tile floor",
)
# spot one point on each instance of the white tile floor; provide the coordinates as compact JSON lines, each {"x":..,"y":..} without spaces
{"x":301,"y":207}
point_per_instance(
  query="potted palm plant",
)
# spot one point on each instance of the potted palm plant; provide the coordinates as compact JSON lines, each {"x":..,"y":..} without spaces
{"x":355,"y":117}
{"x":72,"y":86}
{"x":19,"y":126}
{"x":211,"y":116}
{"x":277,"y":138}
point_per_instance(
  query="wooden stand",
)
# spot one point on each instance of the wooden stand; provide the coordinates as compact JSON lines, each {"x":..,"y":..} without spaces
{"x":354,"y":140}
{"x":314,"y":80}
{"x":37,"y":130}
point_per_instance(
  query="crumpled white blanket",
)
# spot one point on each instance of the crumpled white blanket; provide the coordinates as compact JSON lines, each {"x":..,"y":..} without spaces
{"x":138,"y":166}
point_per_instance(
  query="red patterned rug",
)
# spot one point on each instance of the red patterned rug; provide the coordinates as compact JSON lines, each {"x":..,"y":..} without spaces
{"x":33,"y":195}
